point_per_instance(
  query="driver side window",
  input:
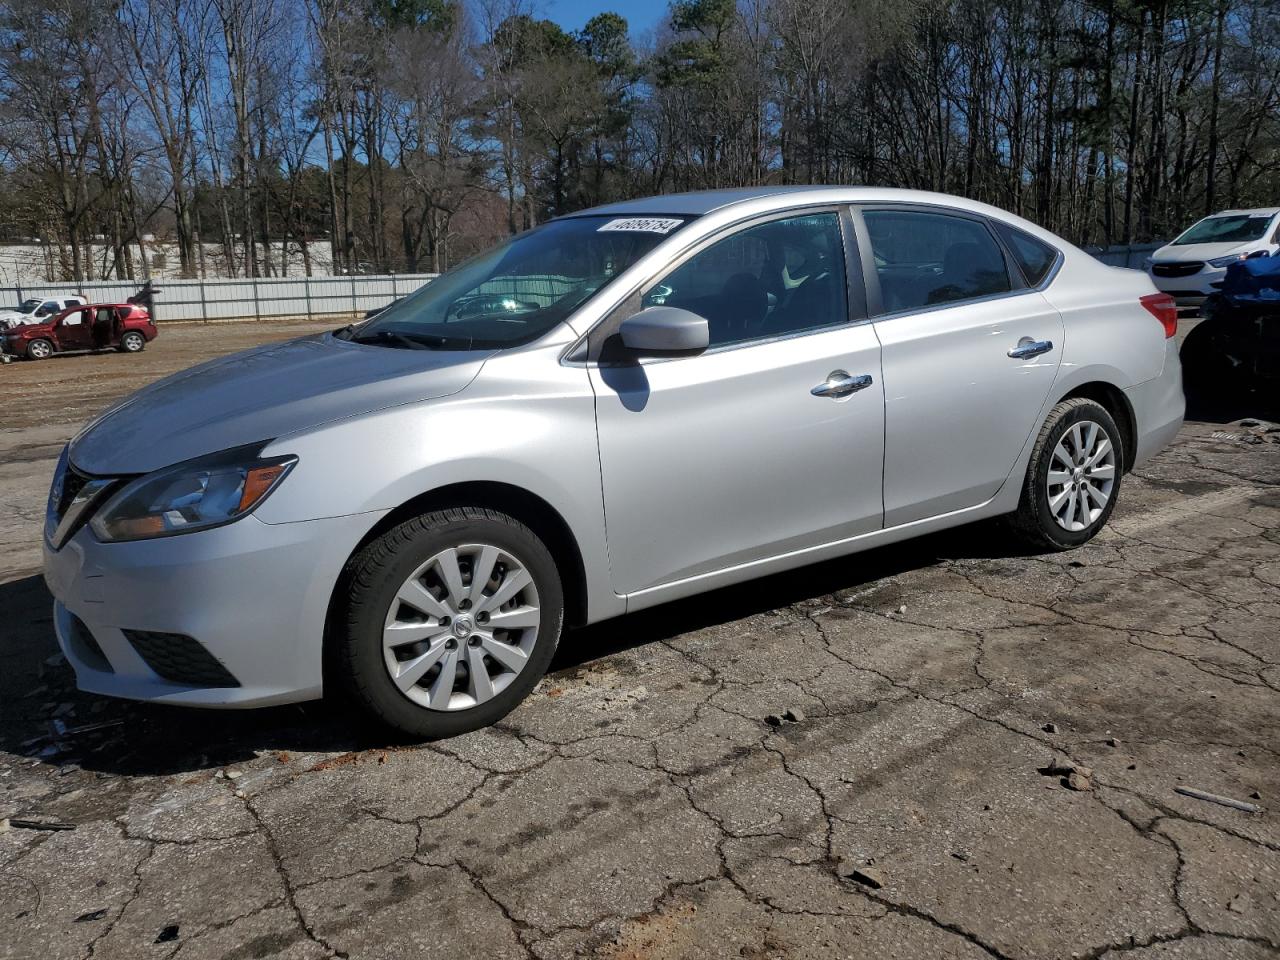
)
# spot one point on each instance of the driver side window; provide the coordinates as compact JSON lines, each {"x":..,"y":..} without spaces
{"x":776,"y":278}
{"x":73,"y":319}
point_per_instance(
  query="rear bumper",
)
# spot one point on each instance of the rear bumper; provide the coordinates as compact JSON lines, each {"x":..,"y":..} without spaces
{"x":254,"y":595}
{"x":1158,"y":406}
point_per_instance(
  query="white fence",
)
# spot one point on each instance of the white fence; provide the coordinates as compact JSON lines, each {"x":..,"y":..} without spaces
{"x":1133,"y":255}
{"x":240,"y":299}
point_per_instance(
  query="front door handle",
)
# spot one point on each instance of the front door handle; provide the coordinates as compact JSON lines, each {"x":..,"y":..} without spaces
{"x":840,"y":384}
{"x":1028,"y":347}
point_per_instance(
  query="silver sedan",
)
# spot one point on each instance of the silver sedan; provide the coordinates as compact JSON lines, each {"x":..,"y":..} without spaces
{"x":622,"y":407}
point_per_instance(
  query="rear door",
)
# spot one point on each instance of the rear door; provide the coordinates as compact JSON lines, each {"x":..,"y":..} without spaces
{"x":970,"y":351}
{"x":769,"y":442}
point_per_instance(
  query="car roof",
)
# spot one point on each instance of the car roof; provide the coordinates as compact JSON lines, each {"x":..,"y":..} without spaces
{"x":705,"y":201}
{"x":1255,"y":212}
{"x":768,"y":200}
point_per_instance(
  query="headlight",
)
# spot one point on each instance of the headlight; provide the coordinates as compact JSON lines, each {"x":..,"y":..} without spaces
{"x":1227,"y":261}
{"x":190,"y":496}
{"x":1146,"y":264}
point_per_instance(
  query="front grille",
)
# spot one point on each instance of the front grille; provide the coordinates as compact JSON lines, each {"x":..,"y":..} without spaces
{"x":73,"y":482}
{"x":1177,"y":269}
{"x":180,"y":659}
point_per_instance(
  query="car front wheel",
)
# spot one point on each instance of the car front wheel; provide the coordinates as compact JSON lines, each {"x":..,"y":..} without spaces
{"x":449,"y":620}
{"x":1073,"y":477}
{"x":39,"y":350}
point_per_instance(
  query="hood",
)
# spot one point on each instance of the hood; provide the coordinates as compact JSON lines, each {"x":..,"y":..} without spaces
{"x":1201,"y":251}
{"x":262,"y":394}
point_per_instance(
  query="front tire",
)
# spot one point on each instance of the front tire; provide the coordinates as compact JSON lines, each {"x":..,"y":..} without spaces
{"x":449,"y":620}
{"x":1073,"y":478}
{"x":39,"y":349}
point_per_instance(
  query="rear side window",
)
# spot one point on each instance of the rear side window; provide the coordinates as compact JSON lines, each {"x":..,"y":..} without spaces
{"x":931,"y":259}
{"x":1033,"y":257}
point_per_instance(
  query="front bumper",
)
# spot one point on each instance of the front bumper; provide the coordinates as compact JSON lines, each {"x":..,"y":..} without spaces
{"x":254,"y":595}
{"x":1193,"y":290}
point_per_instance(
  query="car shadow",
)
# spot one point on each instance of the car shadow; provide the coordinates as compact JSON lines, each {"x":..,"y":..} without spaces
{"x":43,"y":716}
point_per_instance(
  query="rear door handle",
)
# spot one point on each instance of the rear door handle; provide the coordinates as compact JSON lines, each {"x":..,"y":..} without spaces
{"x":1027,"y":347}
{"x":840,"y":384}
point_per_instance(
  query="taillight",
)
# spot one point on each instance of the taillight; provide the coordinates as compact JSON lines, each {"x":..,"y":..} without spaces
{"x":1165,"y":309}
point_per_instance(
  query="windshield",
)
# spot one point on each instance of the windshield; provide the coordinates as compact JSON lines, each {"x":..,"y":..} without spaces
{"x":29,"y":306}
{"x":518,"y":291}
{"x":1236,"y":228}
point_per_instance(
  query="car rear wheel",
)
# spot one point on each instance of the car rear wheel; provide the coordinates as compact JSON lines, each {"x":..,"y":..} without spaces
{"x":39,"y":350}
{"x":449,"y":620}
{"x":1073,"y":477}
{"x":132,"y":342}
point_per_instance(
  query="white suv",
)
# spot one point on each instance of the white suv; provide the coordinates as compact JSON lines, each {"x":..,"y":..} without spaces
{"x":1194,"y":265}
{"x":37,"y":310}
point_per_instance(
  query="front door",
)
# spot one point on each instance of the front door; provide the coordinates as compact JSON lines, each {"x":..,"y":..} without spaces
{"x":75,"y":330}
{"x":731,"y":456}
{"x":958,"y":406}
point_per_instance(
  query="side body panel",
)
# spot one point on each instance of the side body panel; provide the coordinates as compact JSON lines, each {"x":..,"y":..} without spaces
{"x":526,"y":421}
{"x":958,"y":408}
{"x":728,"y":457}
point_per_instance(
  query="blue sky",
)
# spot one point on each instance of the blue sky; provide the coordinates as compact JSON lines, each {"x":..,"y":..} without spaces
{"x":572,"y":14}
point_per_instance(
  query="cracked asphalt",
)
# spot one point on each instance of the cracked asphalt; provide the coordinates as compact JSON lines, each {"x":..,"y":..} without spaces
{"x":642,"y":804}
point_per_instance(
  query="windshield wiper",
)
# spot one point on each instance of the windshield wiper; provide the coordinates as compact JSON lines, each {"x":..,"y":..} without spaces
{"x":414,"y":341}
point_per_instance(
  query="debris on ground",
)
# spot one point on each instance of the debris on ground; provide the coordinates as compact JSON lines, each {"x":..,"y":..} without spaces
{"x":1238,"y":904}
{"x":1112,"y":742}
{"x":902,"y":609}
{"x":1050,"y":728}
{"x":90,"y":917}
{"x":168,"y":934}
{"x":39,"y":824}
{"x":790,"y":715}
{"x":1079,"y":782}
{"x":1216,"y":798}
{"x":1070,"y":774}
{"x":861,"y":873}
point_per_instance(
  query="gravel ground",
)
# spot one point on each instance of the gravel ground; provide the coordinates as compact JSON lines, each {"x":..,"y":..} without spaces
{"x":868,"y":758}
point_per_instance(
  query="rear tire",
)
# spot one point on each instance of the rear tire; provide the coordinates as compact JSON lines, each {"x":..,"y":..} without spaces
{"x":1073,"y":477}
{"x":132,"y":342}
{"x":410,"y":598}
{"x":39,"y":349}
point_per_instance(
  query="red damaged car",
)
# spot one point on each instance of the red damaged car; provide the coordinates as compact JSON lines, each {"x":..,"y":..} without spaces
{"x":127,"y":327}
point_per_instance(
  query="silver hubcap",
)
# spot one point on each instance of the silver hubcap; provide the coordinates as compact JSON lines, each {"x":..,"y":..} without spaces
{"x":133,"y":342}
{"x":40,"y":349}
{"x":461,"y":628}
{"x":1082,"y":474}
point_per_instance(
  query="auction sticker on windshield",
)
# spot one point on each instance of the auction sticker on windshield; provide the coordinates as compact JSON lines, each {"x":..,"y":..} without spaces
{"x":642,"y":224}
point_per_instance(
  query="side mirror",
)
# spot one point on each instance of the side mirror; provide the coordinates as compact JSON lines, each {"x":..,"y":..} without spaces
{"x":665,"y":332}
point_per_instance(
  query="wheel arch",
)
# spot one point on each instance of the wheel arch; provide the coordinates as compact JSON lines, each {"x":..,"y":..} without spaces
{"x":1112,"y":399}
{"x":530,"y":509}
